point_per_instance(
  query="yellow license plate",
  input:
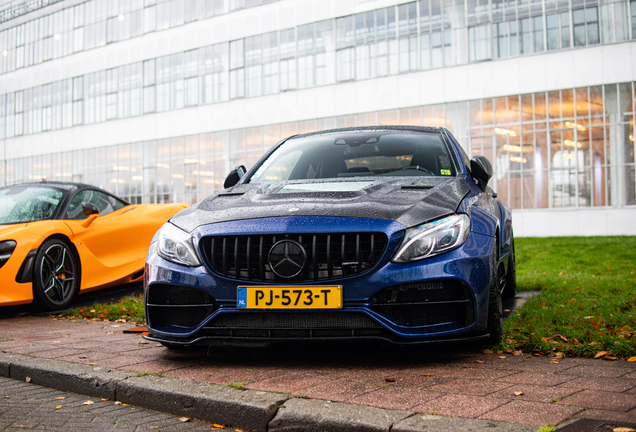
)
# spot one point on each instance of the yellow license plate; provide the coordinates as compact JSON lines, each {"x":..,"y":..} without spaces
{"x":289,"y":297}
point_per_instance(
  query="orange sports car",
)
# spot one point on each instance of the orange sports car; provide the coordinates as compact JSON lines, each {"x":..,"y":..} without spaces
{"x":58,"y":239}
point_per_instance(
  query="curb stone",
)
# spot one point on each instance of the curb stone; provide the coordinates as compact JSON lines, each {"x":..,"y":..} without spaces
{"x":248,"y":409}
{"x":311,"y":415}
{"x":430,"y":423}
{"x":212,"y":402}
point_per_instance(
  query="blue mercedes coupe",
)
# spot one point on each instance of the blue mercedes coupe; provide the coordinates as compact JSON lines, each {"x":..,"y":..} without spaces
{"x":388,"y":233}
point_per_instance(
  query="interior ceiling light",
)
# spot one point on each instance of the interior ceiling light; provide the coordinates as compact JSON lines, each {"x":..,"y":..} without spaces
{"x":575,"y":125}
{"x":571,"y":143}
{"x":501,"y":131}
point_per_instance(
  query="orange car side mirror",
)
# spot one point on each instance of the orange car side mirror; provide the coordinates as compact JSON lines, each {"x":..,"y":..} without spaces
{"x":91,"y":212}
{"x":89,"y":209}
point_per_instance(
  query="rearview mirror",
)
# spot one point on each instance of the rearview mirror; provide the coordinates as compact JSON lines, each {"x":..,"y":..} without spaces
{"x":234,"y":176}
{"x":89,"y":209}
{"x":481,"y":170}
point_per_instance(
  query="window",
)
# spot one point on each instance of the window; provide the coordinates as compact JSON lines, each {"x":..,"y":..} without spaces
{"x":558,"y":30}
{"x":111,"y":93}
{"x":633,"y":10}
{"x":585,"y":26}
{"x":191,"y":79}
{"x":149,"y":86}
{"x":288,"y":56}
{"x":105,"y":203}
{"x":237,"y":71}
{"x":505,"y":39}
{"x":479,"y":42}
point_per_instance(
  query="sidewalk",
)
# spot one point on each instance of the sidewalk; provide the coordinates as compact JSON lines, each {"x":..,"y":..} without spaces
{"x":382,"y":387}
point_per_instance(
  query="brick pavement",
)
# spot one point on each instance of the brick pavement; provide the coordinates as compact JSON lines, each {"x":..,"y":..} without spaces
{"x":30,"y":406}
{"x":452,"y":382}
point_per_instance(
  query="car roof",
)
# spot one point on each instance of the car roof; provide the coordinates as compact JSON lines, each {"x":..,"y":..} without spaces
{"x":57,"y":184}
{"x":372,"y":128}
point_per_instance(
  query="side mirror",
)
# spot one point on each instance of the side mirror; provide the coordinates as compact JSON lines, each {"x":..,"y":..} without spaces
{"x":89,"y":209}
{"x":481,"y":170}
{"x":234,"y":176}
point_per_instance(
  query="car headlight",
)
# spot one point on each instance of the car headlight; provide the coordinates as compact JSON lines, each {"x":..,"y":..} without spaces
{"x":175,"y":245}
{"x":433,"y":238}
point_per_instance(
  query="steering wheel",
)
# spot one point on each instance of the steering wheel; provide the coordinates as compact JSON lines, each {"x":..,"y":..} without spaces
{"x":419,"y":168}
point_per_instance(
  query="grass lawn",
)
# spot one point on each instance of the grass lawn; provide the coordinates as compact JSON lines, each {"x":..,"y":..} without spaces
{"x":588,"y":292}
{"x":129,"y":308}
{"x":586,"y":304}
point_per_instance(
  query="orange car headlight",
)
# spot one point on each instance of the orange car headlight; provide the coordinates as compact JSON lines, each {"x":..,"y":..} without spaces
{"x":6,"y":249}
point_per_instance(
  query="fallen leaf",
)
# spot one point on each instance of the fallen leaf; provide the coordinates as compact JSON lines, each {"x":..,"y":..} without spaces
{"x":103,"y":399}
{"x":88,"y":403}
{"x":117,"y":403}
{"x":622,"y":429}
{"x":503,"y":357}
{"x":427,"y":374}
{"x":92,"y":364}
{"x":600,"y":354}
{"x":60,"y":398}
{"x":184,"y":419}
{"x":28,"y":379}
{"x":142,"y":342}
{"x":479,"y":361}
{"x":82,"y":357}
{"x":21,"y":426}
{"x":517,"y":352}
{"x":555,"y":361}
{"x":487,"y":351}
{"x":390,"y":380}
{"x":158,"y":345}
{"x":518,"y":393}
{"x":153,"y":427}
{"x":631,"y":359}
{"x":609,"y":357}
{"x":58,"y":407}
{"x":7,"y":397}
{"x":216,"y":425}
{"x":117,"y":325}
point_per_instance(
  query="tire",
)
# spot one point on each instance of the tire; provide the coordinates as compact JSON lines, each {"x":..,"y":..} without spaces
{"x":56,"y":275}
{"x":510,"y":290}
{"x":495,"y":306}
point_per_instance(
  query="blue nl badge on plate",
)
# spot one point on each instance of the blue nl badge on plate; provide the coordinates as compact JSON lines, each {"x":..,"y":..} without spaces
{"x":241,"y":302}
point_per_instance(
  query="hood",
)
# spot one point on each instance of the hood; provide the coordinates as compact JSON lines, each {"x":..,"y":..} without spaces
{"x":407,"y":201}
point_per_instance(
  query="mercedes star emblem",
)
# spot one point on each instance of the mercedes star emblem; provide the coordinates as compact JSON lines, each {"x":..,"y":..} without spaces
{"x":287,"y":258}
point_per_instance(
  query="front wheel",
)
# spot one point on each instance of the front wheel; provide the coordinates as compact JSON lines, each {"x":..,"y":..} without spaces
{"x":495,"y":306}
{"x":55,"y":276}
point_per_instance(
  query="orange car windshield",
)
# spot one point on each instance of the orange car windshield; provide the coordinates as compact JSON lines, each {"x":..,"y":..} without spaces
{"x":20,"y":204}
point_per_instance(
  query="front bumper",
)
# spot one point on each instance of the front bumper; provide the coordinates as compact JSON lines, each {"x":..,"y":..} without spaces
{"x":437,"y":299}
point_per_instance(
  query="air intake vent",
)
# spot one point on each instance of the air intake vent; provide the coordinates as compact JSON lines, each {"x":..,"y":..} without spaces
{"x":172,"y":305}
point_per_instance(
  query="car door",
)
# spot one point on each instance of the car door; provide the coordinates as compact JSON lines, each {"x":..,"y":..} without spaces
{"x":109,"y":247}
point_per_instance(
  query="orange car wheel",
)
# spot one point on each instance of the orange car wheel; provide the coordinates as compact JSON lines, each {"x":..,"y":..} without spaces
{"x":56,"y":275}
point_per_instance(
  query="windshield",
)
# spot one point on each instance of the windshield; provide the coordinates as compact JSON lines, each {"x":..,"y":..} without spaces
{"x":357,"y":154}
{"x":20,"y":204}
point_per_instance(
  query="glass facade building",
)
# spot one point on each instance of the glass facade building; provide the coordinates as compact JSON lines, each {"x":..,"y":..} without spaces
{"x":143,"y":97}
